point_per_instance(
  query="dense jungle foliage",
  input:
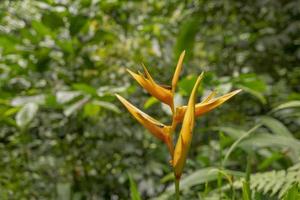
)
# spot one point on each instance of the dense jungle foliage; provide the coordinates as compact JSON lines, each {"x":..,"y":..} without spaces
{"x":64,"y":135}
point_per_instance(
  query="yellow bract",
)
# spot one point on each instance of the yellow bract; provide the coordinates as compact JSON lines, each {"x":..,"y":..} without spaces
{"x":205,"y":106}
{"x":184,"y":114}
{"x":161,"y":93}
{"x":157,"y":129}
{"x":164,"y":93}
{"x":184,"y":140}
{"x":177,"y":72}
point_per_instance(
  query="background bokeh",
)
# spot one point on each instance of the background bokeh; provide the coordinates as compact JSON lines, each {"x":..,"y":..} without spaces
{"x":63,"y":134}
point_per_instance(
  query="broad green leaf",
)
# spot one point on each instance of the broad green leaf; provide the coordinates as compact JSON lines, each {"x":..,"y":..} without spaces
{"x":238,"y":141}
{"x":276,"y":126}
{"x":262,"y":140}
{"x":234,"y":133}
{"x":26,"y":114}
{"x":187,"y":34}
{"x":254,"y":93}
{"x":200,"y":177}
{"x":287,"y":105}
{"x":253,"y":82}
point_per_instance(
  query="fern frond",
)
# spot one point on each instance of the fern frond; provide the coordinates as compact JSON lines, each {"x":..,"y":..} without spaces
{"x":274,"y":182}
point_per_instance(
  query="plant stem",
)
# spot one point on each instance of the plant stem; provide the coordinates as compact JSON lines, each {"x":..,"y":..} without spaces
{"x":177,"y":189}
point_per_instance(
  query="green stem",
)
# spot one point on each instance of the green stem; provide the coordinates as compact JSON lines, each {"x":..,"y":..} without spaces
{"x":177,"y":193}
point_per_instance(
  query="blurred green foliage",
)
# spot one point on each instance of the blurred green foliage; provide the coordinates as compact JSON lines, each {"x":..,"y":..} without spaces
{"x":64,"y":136}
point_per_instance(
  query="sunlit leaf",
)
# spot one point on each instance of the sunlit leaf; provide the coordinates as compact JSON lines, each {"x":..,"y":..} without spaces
{"x":26,"y":114}
{"x":287,"y":105}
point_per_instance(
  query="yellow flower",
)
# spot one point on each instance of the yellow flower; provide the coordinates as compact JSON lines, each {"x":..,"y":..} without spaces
{"x":163,"y":93}
{"x":185,"y":137}
{"x":184,"y":114}
{"x":206,"y":105}
{"x":157,"y":129}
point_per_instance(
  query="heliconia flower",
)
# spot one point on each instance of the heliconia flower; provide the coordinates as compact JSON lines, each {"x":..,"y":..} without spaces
{"x":157,"y":129}
{"x":185,"y":137}
{"x":164,"y":93}
{"x":205,"y":106}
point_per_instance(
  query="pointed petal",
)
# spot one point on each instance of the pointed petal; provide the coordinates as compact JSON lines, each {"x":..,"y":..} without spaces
{"x":157,"y":129}
{"x":205,"y":106}
{"x":159,"y":92}
{"x":177,"y":71}
{"x":185,"y":137}
{"x":148,"y":76}
{"x":154,"y":126}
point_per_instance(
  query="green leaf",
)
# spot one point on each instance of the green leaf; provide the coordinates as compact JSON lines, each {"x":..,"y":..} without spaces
{"x":276,"y":126}
{"x":234,"y":133}
{"x":76,"y":23}
{"x":52,"y":20}
{"x":270,"y":160}
{"x":290,"y":104}
{"x":200,"y":177}
{"x":186,"y":85}
{"x":85,"y":88}
{"x":254,"y":93}
{"x":293,"y":193}
{"x":187,"y":34}
{"x":41,"y":29}
{"x":22,"y":100}
{"x":107,"y":105}
{"x":26,"y":114}
{"x":66,"y":96}
{"x":76,"y":106}
{"x":150,"y":102}
{"x":238,"y":141}
{"x":91,"y":110}
{"x":263,"y":140}
{"x":134,"y":193}
{"x":63,"y":191}
{"x":252,"y":81}
{"x":8,"y":43}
